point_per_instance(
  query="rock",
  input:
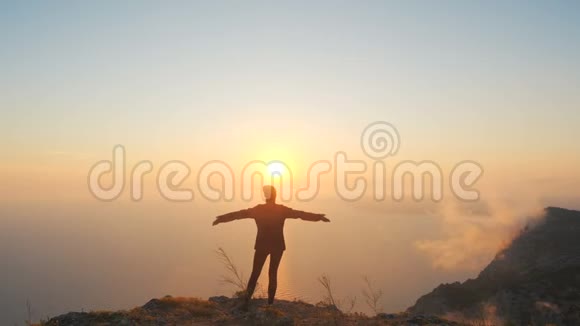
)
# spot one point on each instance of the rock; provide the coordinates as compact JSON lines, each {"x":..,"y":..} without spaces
{"x":219,"y":299}
{"x":153,"y":304}
{"x":71,"y":318}
{"x":383,"y":315}
{"x":535,"y":280}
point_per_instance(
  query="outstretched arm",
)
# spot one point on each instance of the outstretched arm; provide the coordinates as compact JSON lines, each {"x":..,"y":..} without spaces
{"x":308,"y":216}
{"x":244,"y":213}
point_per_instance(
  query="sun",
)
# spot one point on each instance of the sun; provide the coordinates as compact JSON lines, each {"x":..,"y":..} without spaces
{"x":276,"y":168}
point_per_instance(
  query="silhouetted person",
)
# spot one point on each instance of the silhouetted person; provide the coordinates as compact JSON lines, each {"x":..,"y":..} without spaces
{"x":269,"y":219}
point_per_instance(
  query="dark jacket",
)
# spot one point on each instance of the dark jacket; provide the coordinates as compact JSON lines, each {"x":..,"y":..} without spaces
{"x":270,"y":219}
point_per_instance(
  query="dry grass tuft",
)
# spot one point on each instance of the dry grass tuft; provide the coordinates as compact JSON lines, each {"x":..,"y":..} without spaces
{"x":234,"y":277}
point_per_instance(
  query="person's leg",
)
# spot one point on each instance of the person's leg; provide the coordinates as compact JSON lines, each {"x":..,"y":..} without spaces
{"x":275,"y":258}
{"x":259,"y":259}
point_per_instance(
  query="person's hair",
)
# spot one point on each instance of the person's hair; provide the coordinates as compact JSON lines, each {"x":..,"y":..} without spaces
{"x":269,"y":194}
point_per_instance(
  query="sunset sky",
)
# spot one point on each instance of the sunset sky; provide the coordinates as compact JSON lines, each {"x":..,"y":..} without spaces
{"x":496,"y":82}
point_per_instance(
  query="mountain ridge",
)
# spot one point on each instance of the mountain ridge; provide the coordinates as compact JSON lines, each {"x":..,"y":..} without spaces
{"x":534,"y":280}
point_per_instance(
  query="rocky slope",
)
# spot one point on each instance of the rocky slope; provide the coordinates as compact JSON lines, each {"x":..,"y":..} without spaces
{"x":536,"y":280}
{"x":224,"y":311}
